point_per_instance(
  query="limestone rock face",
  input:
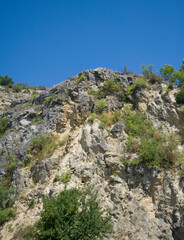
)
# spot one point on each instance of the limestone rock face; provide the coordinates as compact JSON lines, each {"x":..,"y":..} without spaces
{"x":144,"y":203}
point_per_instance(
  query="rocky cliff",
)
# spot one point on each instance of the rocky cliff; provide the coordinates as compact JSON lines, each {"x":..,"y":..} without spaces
{"x":145,"y":199}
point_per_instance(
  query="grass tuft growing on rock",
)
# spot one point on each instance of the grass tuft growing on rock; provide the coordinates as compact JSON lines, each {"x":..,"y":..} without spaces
{"x":42,"y":146}
{"x":3,"y":126}
{"x":153,"y":147}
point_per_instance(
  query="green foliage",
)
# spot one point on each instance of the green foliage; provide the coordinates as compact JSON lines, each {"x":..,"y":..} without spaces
{"x":167,"y":73}
{"x":6,"y":210}
{"x":137,"y":123}
{"x":180,"y":96}
{"x":27,"y":104}
{"x":66,"y":176}
{"x":180,"y":76}
{"x":92,"y":117}
{"x":57,"y":178}
{"x":11,"y":166}
{"x":62,"y":143}
{"x":100,"y":107}
{"x":6,"y":81}
{"x":49,"y":99}
{"x":122,"y":97}
{"x":42,"y":146}
{"x":150,"y":73}
{"x":108,"y":119}
{"x":37,"y":119}
{"x":73,"y":215}
{"x":140,"y":82}
{"x":134,"y":162}
{"x":6,"y":214}
{"x":154,"y":148}
{"x":80,"y":78}
{"x":17,"y":87}
{"x":181,"y":109}
{"x":182,"y":173}
{"x":109,"y":87}
{"x":125,"y":162}
{"x":31,"y":203}
{"x":33,"y":96}
{"x":3,"y":125}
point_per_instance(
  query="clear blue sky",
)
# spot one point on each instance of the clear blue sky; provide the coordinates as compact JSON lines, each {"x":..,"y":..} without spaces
{"x":42,"y":42}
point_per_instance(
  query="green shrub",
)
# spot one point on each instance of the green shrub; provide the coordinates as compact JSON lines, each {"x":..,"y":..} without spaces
{"x":42,"y":146}
{"x":108,"y":119}
{"x":134,"y":162}
{"x":181,"y":109}
{"x":50,"y":98}
{"x":150,"y":73}
{"x":6,"y":210}
{"x":31,"y":203}
{"x":80,"y":78}
{"x":3,"y":126}
{"x":153,"y":147}
{"x":17,"y":87}
{"x":27,"y":104}
{"x":73,"y":215}
{"x":57,"y":178}
{"x":66,"y":176}
{"x":109,"y":87}
{"x":180,"y":96}
{"x":63,"y":141}
{"x":92,"y":117}
{"x":122,"y":97}
{"x":140,"y":82}
{"x":6,"y":81}
{"x":167,"y":73}
{"x":137,"y":124}
{"x":100,"y":107}
{"x":33,"y":96}
{"x":125,"y":162}
{"x":37,"y":119}
{"x":6,"y":214}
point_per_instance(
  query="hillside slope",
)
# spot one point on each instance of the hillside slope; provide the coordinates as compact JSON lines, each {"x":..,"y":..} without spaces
{"x":143,"y":190}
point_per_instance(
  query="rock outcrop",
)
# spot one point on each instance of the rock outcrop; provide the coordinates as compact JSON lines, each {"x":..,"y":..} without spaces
{"x":144,"y":203}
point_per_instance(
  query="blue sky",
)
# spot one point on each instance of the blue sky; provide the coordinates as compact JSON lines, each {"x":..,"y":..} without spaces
{"x":43,"y":42}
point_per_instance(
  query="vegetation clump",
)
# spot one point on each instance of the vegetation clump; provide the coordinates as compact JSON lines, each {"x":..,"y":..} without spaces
{"x":108,"y":119}
{"x":180,"y":96}
{"x":80,"y":78}
{"x":4,"y":125}
{"x":6,"y":209}
{"x":49,"y":99}
{"x":153,"y":147}
{"x":37,"y":119}
{"x":111,"y":86}
{"x":41,"y":147}
{"x":150,"y":73}
{"x":100,"y":107}
{"x":65,"y":177}
{"x":92,"y":117}
{"x":6,"y":81}
{"x":73,"y":215}
{"x":140,"y":82}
